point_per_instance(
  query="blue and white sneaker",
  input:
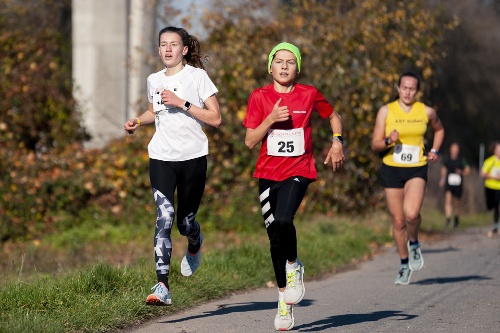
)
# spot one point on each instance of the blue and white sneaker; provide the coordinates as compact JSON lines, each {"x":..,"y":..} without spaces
{"x":161,"y":296}
{"x":190,"y":262}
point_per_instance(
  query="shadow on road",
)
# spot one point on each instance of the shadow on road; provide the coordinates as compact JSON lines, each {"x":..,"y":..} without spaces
{"x":443,"y":250}
{"x":453,"y":279}
{"x":351,"y":319}
{"x":223,"y":309}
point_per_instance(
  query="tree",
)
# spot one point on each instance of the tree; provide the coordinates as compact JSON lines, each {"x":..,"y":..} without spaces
{"x":37,"y":108}
{"x":353,"y":52}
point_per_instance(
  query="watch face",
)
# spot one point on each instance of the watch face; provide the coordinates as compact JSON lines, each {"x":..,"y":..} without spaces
{"x":187,"y":104}
{"x":341,"y":139}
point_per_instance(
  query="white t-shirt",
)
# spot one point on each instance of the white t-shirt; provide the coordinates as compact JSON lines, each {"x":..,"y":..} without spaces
{"x":179,"y":135}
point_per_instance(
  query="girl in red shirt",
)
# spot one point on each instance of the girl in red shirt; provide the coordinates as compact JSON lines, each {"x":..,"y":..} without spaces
{"x":279,"y":117}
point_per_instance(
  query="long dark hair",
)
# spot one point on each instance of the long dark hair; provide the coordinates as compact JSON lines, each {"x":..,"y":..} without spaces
{"x":193,"y":57}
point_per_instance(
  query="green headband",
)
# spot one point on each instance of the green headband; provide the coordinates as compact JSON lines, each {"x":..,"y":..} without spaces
{"x":284,"y":46}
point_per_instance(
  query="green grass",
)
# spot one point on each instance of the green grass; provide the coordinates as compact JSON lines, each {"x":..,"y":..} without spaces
{"x":102,"y":297}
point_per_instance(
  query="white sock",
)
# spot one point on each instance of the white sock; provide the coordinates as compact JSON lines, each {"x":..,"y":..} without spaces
{"x":290,"y":267}
{"x":281,"y":295}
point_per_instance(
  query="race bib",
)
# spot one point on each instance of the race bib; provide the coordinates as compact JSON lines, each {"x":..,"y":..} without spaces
{"x":287,"y":143}
{"x":406,"y":154}
{"x":495,"y":172}
{"x":158,"y":104}
{"x":454,"y":179}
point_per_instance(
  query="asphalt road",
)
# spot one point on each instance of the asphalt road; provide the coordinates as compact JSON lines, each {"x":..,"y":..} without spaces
{"x":458,"y":290}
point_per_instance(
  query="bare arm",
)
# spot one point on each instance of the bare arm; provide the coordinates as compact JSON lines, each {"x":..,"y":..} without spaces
{"x":378,"y":139}
{"x":438,"y":133}
{"x":335,"y":154}
{"x":444,"y":171}
{"x":255,"y":135}
{"x":466,"y":170}
{"x":146,"y":118}
{"x":210,"y":115}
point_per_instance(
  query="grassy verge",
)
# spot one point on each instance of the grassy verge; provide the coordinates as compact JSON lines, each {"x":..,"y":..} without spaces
{"x":102,"y":296}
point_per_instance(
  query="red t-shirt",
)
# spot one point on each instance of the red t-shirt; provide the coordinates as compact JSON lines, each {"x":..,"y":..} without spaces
{"x":301,"y":102}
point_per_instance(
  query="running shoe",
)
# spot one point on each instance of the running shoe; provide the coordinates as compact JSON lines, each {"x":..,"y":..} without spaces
{"x":404,"y":274}
{"x":295,"y":290}
{"x":161,"y":296}
{"x":493,"y":231}
{"x":284,"y":318}
{"x":415,"y":257}
{"x":191,"y":262}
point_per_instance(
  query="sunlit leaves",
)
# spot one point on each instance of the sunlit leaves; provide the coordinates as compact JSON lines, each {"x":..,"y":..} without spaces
{"x":353,"y":52}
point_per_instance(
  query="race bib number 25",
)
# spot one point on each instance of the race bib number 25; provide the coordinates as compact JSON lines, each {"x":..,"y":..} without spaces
{"x":287,"y":143}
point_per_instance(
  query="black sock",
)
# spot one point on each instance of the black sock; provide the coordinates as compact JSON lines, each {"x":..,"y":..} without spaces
{"x":414,"y":243}
{"x":164,"y":279}
{"x":404,"y":261}
{"x":193,"y":249}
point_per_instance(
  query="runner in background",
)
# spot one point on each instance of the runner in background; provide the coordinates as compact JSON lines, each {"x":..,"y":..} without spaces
{"x":279,"y":118}
{"x":453,"y":170}
{"x":399,"y":134}
{"x":491,"y":174}
{"x":181,"y":99}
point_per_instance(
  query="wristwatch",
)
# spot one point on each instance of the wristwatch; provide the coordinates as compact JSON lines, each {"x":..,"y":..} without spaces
{"x":186,"y":106}
{"x":339,"y":138}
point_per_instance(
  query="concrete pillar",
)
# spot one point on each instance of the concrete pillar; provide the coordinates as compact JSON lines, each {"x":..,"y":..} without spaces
{"x":110,"y":39}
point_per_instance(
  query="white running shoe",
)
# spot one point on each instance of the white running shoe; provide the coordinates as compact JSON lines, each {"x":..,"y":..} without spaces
{"x":284,"y":318}
{"x":415,"y":257}
{"x":295,"y":290}
{"x":190,"y":263}
{"x":404,"y":275}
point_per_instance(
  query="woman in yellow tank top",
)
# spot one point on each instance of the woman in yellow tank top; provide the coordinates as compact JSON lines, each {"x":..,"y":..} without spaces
{"x":399,"y":133}
{"x":491,"y":174}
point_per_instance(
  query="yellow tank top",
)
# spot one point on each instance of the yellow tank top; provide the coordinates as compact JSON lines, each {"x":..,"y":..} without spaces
{"x":409,"y":150}
{"x":492,"y":166}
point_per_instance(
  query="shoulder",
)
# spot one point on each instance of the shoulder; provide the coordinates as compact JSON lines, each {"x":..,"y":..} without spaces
{"x":305,"y":87}
{"x":383,"y":110}
{"x":429,"y":111}
{"x":307,"y":90}
{"x":191,"y":70}
{"x":155,"y":76}
{"x":267,"y":89}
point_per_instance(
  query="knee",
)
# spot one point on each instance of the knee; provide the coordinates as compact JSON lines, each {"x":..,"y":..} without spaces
{"x":413,"y":217}
{"x":187,"y":225}
{"x":283,"y":223}
{"x":399,"y":225}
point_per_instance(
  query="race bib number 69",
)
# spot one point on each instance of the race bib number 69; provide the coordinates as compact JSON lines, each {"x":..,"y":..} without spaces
{"x":287,"y":143}
{"x":406,"y":154}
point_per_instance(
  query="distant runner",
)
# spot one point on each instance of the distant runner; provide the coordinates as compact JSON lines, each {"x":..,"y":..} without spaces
{"x":491,"y":174}
{"x":453,"y":170}
{"x":399,"y":134}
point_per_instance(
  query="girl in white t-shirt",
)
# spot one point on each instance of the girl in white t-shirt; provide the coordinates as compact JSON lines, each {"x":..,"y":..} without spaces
{"x":181,"y":99}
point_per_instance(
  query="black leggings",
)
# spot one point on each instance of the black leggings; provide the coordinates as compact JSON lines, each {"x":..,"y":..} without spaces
{"x":493,"y":202}
{"x":189,"y":179}
{"x":279,"y":202}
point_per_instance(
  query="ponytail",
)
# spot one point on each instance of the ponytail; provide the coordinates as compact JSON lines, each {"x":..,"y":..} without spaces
{"x":193,"y":57}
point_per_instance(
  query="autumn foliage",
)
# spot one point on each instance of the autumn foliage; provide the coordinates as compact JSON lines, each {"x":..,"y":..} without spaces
{"x":353,"y":52}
